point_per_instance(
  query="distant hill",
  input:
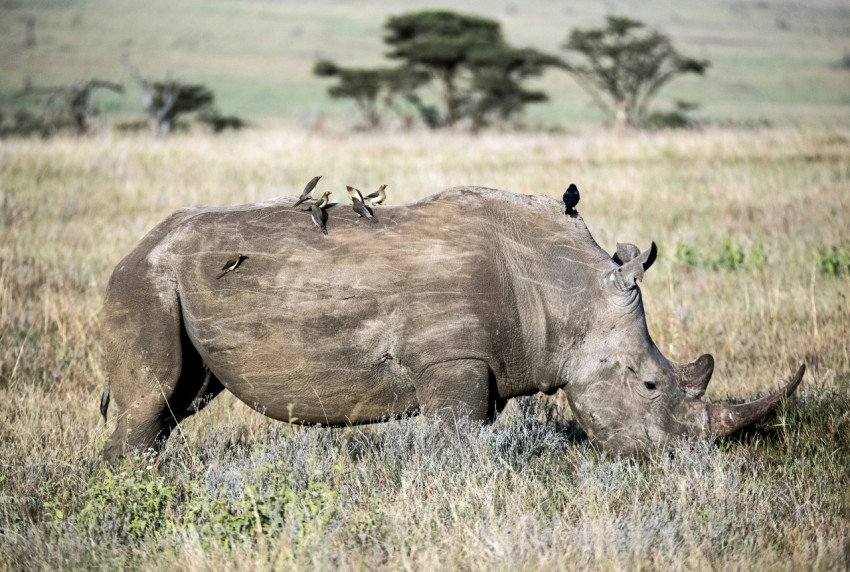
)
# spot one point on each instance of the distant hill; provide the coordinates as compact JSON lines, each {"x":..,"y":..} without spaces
{"x":773,"y":60}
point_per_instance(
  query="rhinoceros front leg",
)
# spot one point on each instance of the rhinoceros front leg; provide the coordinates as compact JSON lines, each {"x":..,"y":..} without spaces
{"x":458,"y":389}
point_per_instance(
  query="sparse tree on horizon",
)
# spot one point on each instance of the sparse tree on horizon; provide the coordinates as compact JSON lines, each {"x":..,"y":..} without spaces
{"x":478,"y":75}
{"x":624,"y":65}
{"x":165,"y":101}
{"x":71,"y":102}
{"x":369,"y":88}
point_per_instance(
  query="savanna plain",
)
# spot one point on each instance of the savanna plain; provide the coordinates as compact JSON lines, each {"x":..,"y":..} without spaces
{"x":753,"y":227}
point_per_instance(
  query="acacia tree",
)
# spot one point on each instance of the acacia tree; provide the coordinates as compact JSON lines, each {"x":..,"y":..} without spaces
{"x":66,"y":106}
{"x":78,"y":98}
{"x":165,"y":101}
{"x":496,"y":88}
{"x":370,"y":88}
{"x":360,"y":85}
{"x":478,"y":75}
{"x":624,"y":65}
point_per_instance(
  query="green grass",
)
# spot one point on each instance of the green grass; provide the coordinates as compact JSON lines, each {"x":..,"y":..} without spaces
{"x":753,"y":234}
{"x":770,"y":60}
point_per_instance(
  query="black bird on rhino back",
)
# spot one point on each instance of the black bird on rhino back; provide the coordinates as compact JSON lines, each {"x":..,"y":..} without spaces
{"x":450,"y":314}
{"x":571,"y":198}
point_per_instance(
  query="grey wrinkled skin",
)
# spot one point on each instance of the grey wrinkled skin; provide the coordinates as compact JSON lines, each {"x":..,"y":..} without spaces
{"x":450,"y":306}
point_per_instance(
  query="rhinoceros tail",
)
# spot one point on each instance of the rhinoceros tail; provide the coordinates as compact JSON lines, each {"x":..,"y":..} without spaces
{"x":104,"y":400}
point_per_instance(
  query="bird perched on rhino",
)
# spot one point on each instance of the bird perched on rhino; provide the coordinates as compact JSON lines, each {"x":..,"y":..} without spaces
{"x":320,"y":218}
{"x":354,"y":193}
{"x":362,"y":210}
{"x":317,"y":211}
{"x":571,"y":198}
{"x":322,"y":203}
{"x":308,"y":190}
{"x":232,"y":264}
{"x":377,"y":197}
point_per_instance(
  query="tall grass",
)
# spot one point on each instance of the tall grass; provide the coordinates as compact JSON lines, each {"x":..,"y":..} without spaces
{"x":755,"y":241}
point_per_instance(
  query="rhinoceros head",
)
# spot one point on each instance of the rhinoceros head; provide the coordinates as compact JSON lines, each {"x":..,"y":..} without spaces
{"x":622,"y":389}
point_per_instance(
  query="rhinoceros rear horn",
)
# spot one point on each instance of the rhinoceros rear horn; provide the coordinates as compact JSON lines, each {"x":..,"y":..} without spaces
{"x":626,"y":276}
{"x":693,"y":377}
{"x":726,"y":419}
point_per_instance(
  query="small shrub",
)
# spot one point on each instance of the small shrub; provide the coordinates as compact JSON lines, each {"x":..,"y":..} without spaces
{"x":213,"y":118}
{"x":756,"y":258}
{"x":686,"y":254}
{"x":126,"y":505}
{"x":730,"y":256}
{"x":25,"y":123}
{"x":273,"y":501}
{"x":835,"y":260}
{"x":682,"y":117}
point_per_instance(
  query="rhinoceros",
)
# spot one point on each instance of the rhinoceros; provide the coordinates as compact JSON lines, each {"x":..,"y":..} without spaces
{"x":448,"y":307}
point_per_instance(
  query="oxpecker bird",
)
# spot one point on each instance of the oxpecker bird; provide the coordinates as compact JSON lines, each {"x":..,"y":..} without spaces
{"x":362,"y":210}
{"x":317,"y":211}
{"x":308,"y":190}
{"x":319,"y":217}
{"x":571,"y":198}
{"x":354,"y":193}
{"x":322,"y":203}
{"x":232,"y":264}
{"x":377,"y":197}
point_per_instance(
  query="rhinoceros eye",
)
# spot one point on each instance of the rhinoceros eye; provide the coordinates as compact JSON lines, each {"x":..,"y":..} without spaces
{"x":650,"y":385}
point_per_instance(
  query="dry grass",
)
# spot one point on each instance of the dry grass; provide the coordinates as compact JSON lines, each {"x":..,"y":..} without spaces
{"x":755,"y":246}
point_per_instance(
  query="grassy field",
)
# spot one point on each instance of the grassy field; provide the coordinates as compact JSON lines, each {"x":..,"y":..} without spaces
{"x":773,"y":60}
{"x":754,"y":266}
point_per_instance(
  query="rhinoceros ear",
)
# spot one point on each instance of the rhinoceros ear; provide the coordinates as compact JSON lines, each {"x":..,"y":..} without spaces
{"x":626,"y":276}
{"x":625,"y":252}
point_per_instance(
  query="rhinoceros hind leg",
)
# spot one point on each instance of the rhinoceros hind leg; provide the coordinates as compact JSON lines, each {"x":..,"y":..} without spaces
{"x":458,"y":389}
{"x":148,"y":422}
{"x":156,"y":376}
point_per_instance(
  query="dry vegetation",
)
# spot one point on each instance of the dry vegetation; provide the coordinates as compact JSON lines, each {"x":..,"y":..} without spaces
{"x":754,"y":231}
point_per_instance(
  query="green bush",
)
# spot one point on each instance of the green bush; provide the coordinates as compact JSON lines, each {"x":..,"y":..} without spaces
{"x":729,"y":256}
{"x":835,"y":260}
{"x":756,"y":258}
{"x":686,"y":254}
{"x":125,"y":505}
{"x":134,"y":505}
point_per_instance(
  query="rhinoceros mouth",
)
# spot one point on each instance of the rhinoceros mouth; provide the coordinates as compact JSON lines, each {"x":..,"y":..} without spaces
{"x":726,"y":419}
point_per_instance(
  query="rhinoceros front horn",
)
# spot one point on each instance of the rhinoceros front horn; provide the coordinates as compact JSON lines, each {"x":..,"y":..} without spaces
{"x":726,"y":419}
